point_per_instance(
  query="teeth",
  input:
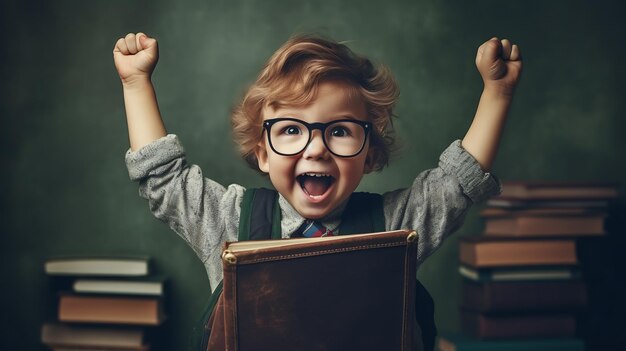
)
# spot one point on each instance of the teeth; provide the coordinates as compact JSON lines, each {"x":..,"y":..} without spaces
{"x":316,"y":174}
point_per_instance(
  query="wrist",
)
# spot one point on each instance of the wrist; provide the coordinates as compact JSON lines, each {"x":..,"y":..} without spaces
{"x":136,"y":82}
{"x":498,"y":91}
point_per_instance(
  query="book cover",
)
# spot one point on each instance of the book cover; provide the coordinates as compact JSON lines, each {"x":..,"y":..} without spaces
{"x":490,"y":251}
{"x":110,"y":309}
{"x":97,"y":266}
{"x":463,"y":342}
{"x":544,"y":222}
{"x":522,"y":273}
{"x":72,"y":336}
{"x":518,"y":325}
{"x":351,"y":292}
{"x":494,"y":297}
{"x":523,"y":204}
{"x":558,"y":190}
{"x":151,"y":285}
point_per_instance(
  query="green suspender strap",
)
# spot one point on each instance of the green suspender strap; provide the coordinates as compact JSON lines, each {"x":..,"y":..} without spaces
{"x":363,"y":214}
{"x":260,"y":215}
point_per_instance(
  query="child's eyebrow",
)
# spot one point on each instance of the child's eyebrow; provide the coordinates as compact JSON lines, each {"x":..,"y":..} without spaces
{"x":334,"y":117}
{"x":348,"y":116}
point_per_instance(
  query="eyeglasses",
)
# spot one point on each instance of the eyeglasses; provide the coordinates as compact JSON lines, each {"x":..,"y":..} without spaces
{"x":290,"y":136}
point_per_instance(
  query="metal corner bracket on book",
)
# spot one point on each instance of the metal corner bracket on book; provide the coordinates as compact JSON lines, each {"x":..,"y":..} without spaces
{"x":229,"y":257}
{"x":411,"y":237}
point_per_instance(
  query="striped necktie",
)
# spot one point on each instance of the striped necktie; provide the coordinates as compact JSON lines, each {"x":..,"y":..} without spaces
{"x":313,"y":229}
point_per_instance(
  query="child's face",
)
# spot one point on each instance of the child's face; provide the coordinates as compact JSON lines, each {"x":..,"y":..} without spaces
{"x":315,"y":181}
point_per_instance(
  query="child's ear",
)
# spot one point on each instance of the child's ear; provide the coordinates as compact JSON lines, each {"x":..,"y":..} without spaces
{"x":261,"y":156}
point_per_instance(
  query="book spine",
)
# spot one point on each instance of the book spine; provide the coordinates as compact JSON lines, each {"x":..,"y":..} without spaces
{"x":519,"y":325}
{"x":229,"y":261}
{"x":518,"y":253}
{"x":452,"y":343}
{"x":410,"y":261}
{"x":538,"y":226}
{"x":524,"y":296}
{"x":106,"y":309}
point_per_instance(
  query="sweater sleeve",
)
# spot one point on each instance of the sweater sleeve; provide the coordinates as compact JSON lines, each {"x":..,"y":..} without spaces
{"x":204,"y":213}
{"x":436,"y":203}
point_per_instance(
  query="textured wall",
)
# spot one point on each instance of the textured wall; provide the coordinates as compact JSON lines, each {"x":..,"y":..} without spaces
{"x":65,"y":187}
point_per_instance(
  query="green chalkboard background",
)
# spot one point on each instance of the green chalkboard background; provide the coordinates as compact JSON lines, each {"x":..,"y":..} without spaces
{"x":64,"y":186}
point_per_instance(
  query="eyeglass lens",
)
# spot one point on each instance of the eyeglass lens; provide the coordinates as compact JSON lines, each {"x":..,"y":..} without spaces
{"x":343,"y":138}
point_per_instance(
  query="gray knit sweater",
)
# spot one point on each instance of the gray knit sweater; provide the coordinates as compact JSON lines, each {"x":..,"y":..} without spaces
{"x":206,"y":214}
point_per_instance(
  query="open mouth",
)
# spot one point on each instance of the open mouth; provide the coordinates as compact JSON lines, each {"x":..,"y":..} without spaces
{"x":315,"y":184}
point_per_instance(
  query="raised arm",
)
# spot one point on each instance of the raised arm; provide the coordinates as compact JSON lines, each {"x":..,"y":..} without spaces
{"x":500,"y":65}
{"x":135,"y":57}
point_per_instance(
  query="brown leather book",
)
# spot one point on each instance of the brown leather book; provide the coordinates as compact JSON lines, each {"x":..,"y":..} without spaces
{"x":60,"y":336}
{"x":491,"y":251}
{"x":351,"y":292}
{"x":111,"y":309}
{"x":523,"y":296}
{"x":558,"y":190}
{"x":518,"y":325}
{"x":541,"y":222}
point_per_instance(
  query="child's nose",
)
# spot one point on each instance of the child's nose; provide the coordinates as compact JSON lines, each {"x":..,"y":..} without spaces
{"x":316,"y":148}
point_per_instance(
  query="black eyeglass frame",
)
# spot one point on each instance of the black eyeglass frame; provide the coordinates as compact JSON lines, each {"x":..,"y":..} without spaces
{"x":267,"y":125}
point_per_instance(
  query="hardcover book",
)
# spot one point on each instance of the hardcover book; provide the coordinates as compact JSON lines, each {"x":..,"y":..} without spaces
{"x":558,"y":190}
{"x":58,"y":335}
{"x":351,"y":292}
{"x":522,"y":273}
{"x":486,"y":251}
{"x":522,"y":204}
{"x":543,"y":222}
{"x":518,"y":325}
{"x":136,"y":286}
{"x":495,"y":297}
{"x":110,"y":309}
{"x":458,"y":342}
{"x":97,"y":266}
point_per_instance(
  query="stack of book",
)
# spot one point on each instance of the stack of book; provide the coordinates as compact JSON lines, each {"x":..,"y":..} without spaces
{"x":103,"y":303}
{"x":522,"y":285}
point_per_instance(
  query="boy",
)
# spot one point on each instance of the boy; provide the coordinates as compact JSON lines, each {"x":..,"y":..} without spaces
{"x":317,"y":118}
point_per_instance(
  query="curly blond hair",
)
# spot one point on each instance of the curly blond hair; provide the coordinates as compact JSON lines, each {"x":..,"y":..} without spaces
{"x":291,"y":78}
